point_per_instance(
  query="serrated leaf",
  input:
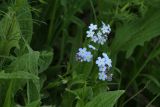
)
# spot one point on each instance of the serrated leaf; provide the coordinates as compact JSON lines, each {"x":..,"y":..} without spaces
{"x":9,"y":33}
{"x":135,"y":33}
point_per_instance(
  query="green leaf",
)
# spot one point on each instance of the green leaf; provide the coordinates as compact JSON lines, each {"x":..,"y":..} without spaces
{"x":9,"y":33}
{"x":84,"y":94}
{"x":33,"y":104}
{"x":17,"y":75}
{"x":6,"y":45}
{"x":43,"y":1}
{"x":27,"y":62}
{"x":8,"y":98}
{"x":135,"y":33}
{"x":106,"y":99}
{"x":45,"y":59}
{"x":24,"y":17}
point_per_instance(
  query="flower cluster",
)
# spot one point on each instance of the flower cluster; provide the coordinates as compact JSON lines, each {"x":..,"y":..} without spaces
{"x":104,"y":63}
{"x":84,"y":55}
{"x":99,"y":36}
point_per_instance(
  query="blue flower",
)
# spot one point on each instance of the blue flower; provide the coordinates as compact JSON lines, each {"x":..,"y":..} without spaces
{"x":102,"y":68}
{"x":84,"y":55}
{"x":99,"y":33}
{"x":94,"y":39}
{"x":92,"y":27}
{"x":108,"y":61}
{"x":88,"y":56}
{"x":104,"y":63}
{"x":102,"y":76}
{"x":105,"y":28}
{"x":100,"y":61}
{"x":82,"y":52}
{"x":98,"y":36}
{"x":91,"y":47}
{"x":90,"y":33}
{"x":101,"y":40}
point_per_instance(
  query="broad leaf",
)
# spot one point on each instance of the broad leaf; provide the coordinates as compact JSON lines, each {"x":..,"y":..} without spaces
{"x":45,"y":59}
{"x":24,"y":17}
{"x":27,"y":62}
{"x":106,"y":99}
{"x":17,"y":75}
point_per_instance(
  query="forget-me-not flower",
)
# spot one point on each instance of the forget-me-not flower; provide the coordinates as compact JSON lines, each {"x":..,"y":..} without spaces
{"x":92,"y":27}
{"x":101,"y":40}
{"x":104,"y":63}
{"x":108,"y":61}
{"x":84,"y":55}
{"x":98,"y":36}
{"x":102,"y":68}
{"x":100,"y":61}
{"x":102,"y":76}
{"x":90,"y":33}
{"x":88,"y":56}
{"x":91,"y":47}
{"x":94,"y":39}
{"x":105,"y":28}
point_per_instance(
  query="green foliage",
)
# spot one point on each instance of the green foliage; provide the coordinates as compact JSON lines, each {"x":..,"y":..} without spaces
{"x":17,"y":75}
{"x":23,"y":70}
{"x":33,"y":104}
{"x":135,"y":33}
{"x":45,"y":59}
{"x":30,"y":30}
{"x":10,"y":33}
{"x":106,"y":99}
{"x":24,"y":17}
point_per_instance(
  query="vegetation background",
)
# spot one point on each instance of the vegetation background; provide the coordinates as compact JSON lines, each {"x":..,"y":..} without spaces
{"x":39,"y":39}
